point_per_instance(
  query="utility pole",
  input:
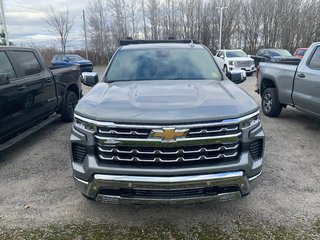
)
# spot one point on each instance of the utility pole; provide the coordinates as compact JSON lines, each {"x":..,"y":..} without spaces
{"x":221,"y":15}
{"x":85,"y":33}
{"x":3,"y":20}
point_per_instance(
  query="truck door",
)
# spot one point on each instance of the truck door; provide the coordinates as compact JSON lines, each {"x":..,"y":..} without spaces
{"x":14,"y":105}
{"x":306,"y":92}
{"x":41,"y":86}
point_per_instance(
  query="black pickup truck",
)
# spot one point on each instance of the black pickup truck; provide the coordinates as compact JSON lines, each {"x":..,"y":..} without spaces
{"x":31,"y":93}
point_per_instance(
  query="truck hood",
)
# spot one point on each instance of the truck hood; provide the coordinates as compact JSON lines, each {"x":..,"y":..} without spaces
{"x":161,"y":102}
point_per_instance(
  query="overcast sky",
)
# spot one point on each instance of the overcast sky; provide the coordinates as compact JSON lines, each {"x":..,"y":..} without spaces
{"x":25,"y":21}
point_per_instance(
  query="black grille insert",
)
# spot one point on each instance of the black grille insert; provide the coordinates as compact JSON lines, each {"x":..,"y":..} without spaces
{"x":167,"y":194}
{"x":256,"y":149}
{"x":79,"y":152}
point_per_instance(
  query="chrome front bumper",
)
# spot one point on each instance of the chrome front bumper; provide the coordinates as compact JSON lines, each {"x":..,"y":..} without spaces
{"x":99,"y":181}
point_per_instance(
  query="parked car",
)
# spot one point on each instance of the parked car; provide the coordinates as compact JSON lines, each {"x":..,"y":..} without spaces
{"x":31,"y":93}
{"x":281,"y":84}
{"x":63,"y":60}
{"x":269,"y":54}
{"x":165,"y":125}
{"x":235,"y":59}
{"x":300,"y":52}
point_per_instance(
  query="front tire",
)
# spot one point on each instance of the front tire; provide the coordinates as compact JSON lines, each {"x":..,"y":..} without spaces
{"x":69,"y":105}
{"x":270,"y":104}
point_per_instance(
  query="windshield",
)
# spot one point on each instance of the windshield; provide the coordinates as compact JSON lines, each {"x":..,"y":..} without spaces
{"x":280,"y":53}
{"x":162,"y":64}
{"x":236,"y":53}
{"x":74,"y":58}
{"x":301,"y":52}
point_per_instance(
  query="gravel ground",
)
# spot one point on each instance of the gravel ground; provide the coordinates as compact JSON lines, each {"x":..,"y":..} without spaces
{"x":37,"y":189}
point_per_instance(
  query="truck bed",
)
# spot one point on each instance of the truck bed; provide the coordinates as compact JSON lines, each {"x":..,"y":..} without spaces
{"x":284,"y":74}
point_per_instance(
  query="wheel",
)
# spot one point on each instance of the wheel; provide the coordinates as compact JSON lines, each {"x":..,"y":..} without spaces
{"x":271,"y":106}
{"x":249,"y":74}
{"x":69,"y":105}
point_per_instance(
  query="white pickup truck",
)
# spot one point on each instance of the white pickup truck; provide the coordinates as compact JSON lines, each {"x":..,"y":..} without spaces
{"x":236,"y":59}
{"x":288,"y":81}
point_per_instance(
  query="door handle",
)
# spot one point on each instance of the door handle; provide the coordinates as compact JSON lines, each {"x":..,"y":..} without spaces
{"x":301,"y":75}
{"x":21,"y":88}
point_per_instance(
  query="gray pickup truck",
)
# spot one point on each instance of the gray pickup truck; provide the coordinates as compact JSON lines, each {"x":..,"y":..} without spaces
{"x":165,"y":125}
{"x":294,"y":83}
{"x":31,"y":93}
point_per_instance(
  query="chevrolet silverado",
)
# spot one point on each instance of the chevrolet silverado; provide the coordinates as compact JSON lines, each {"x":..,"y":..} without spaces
{"x":165,"y":125}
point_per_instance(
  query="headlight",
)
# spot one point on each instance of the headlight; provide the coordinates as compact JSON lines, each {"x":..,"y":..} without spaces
{"x":250,"y":122}
{"x":252,"y":62}
{"x":80,"y":124}
{"x":231,"y":62}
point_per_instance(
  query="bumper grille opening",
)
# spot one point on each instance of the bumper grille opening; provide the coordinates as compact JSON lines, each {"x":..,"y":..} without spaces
{"x":167,"y":194}
{"x":79,"y":152}
{"x":256,"y":149}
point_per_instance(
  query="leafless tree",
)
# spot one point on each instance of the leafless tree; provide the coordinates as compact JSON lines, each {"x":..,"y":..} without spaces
{"x":153,"y":14}
{"x":101,"y":42}
{"x":61,"y":23}
{"x":247,"y":24}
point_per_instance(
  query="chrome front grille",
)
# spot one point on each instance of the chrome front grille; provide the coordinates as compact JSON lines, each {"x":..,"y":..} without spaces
{"x":213,"y":131}
{"x":185,"y":143}
{"x":243,"y":63}
{"x":143,"y":133}
{"x":123,"y":132}
{"x":169,"y":154}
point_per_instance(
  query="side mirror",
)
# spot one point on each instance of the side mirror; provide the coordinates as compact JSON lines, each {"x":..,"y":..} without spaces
{"x":221,"y":56}
{"x":237,"y":76}
{"x":4,"y":79}
{"x":90,"y":78}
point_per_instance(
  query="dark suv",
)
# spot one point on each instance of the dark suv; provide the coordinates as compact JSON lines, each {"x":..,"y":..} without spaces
{"x":270,"y":54}
{"x":63,"y":60}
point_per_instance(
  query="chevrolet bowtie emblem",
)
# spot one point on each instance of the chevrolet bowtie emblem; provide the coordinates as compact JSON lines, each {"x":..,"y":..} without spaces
{"x":168,"y":134}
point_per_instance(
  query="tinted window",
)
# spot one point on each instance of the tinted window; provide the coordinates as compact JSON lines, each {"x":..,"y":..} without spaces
{"x":301,"y":52}
{"x":315,"y":60}
{"x":6,"y":67}
{"x":280,"y":53}
{"x":162,"y":64}
{"x":27,"y":61}
{"x":260,"y":53}
{"x":74,"y":58}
